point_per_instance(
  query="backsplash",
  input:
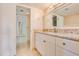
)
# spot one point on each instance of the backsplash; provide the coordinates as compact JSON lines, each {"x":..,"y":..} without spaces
{"x":63,"y":30}
{"x":72,"y":31}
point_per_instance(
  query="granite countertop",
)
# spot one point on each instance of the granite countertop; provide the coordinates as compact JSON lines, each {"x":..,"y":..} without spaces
{"x":70,"y":36}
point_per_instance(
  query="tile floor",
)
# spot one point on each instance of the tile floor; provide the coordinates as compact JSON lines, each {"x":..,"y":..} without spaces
{"x":24,"y":50}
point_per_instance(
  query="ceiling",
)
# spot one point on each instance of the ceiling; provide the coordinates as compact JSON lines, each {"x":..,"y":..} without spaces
{"x":22,"y":11}
{"x":42,"y":6}
{"x":68,"y":10}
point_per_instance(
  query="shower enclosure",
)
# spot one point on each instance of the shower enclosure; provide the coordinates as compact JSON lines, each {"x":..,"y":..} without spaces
{"x":22,"y":25}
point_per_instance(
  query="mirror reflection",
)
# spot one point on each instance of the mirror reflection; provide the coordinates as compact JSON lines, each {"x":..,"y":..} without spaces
{"x":66,"y":15}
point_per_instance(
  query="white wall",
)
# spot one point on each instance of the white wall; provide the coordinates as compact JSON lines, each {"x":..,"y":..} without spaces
{"x":72,"y":20}
{"x":36,"y":21}
{"x":8,"y":29}
{"x":48,"y":22}
{"x":0,"y":31}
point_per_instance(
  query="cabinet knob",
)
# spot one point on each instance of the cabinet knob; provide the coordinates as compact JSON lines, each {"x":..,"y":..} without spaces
{"x":44,"y":41}
{"x":64,"y":43}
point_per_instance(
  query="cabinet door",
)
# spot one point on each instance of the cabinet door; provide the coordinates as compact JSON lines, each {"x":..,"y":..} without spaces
{"x":49,"y":45}
{"x":70,"y":45}
{"x":62,"y":52}
{"x":39,"y":42}
{"x":45,"y":44}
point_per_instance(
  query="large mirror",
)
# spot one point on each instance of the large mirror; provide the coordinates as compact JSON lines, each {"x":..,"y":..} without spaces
{"x":66,"y":15}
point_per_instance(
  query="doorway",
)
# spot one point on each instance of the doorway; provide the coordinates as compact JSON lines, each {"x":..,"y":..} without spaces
{"x":22,"y":26}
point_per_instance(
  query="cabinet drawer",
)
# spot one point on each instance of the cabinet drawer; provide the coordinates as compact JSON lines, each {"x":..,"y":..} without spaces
{"x":45,"y":44}
{"x":70,"y":45}
{"x":63,"y":52}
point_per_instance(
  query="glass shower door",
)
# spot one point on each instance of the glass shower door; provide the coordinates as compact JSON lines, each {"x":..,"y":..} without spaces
{"x":21,"y":29}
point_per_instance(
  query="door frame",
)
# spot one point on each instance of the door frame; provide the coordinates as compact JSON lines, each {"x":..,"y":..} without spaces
{"x":29,"y":18}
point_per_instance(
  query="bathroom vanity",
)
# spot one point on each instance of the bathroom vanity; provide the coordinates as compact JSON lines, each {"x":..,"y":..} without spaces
{"x":62,"y":36}
{"x":57,"y":44}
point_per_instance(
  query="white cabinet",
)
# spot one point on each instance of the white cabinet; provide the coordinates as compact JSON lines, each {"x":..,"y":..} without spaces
{"x":50,"y":45}
{"x":45,"y":44}
{"x":69,"y":45}
{"x":63,"y":52}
